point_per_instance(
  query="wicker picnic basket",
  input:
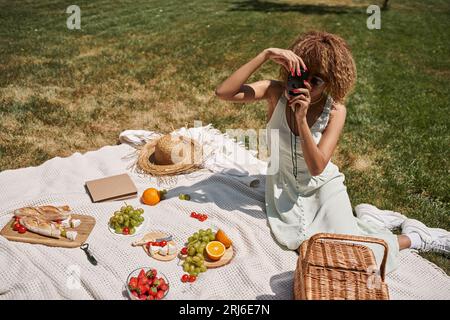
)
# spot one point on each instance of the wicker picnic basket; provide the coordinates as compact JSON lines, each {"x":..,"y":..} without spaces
{"x":339,"y":270}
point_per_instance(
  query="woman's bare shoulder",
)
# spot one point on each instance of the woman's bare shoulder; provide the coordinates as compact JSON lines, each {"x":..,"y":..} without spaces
{"x":338,"y":110}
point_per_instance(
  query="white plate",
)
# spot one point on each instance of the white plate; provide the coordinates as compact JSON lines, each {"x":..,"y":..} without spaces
{"x":138,"y":230}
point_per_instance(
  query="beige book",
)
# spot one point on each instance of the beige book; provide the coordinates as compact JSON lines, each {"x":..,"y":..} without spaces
{"x":117,"y":187}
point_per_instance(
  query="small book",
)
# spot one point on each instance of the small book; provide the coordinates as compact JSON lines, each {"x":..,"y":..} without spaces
{"x":117,"y":187}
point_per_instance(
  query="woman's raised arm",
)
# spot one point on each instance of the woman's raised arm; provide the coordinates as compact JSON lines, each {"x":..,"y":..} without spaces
{"x":234,"y":87}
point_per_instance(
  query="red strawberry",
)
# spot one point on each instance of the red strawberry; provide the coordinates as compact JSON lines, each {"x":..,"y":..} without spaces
{"x":134,"y":293}
{"x":156,"y":282}
{"x":164,"y":287}
{"x":142,"y":289}
{"x":153,"y":291}
{"x":150,"y":281}
{"x":142,"y":297}
{"x":150,"y":297}
{"x":142,"y":281}
{"x":160,"y":295}
{"x":133,"y":283}
{"x":141,"y":274}
{"x":151,"y":273}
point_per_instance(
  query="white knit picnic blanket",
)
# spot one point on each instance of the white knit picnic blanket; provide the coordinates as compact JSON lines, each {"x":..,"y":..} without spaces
{"x":260,"y":268}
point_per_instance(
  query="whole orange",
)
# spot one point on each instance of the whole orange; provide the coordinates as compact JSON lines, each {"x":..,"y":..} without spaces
{"x":151,"y":196}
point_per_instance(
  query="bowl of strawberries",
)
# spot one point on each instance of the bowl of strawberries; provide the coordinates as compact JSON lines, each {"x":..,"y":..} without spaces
{"x":147,"y":283}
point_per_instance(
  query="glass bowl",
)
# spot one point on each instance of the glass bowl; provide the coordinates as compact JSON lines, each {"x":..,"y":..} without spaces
{"x":136,"y":272}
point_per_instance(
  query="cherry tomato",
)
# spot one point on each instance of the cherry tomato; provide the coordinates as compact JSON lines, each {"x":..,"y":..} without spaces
{"x":125,"y":230}
{"x":16,"y":226}
{"x":184,"y":251}
{"x":22,"y":229}
{"x":192,"y":278}
{"x":160,"y":295}
{"x":185,"y":278}
{"x":193,"y":214}
{"x":163,"y":243}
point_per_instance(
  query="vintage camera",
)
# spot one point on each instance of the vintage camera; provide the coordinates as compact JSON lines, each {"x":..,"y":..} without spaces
{"x":297,"y":82}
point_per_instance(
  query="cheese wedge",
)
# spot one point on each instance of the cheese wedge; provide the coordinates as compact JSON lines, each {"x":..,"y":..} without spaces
{"x":172,"y":249}
{"x":164,"y":250}
{"x":153,"y":250}
{"x":71,"y":235}
{"x":75,"y":223}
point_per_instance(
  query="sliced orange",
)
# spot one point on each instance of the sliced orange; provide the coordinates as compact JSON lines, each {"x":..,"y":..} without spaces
{"x":221,"y":236}
{"x":215,"y":250}
{"x":151,"y":196}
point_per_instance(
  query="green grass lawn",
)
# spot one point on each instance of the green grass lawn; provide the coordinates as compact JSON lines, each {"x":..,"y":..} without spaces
{"x":154,"y":64}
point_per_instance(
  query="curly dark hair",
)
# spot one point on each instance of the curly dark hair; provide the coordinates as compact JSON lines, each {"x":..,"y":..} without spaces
{"x":329,"y":56}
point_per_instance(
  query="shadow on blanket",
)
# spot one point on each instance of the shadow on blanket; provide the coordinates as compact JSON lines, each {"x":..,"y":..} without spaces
{"x":213,"y":190}
{"x":282,"y":287}
{"x":219,"y":189}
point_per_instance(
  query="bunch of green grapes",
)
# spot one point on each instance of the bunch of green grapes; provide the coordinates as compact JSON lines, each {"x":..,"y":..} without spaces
{"x":195,"y":261}
{"x":126,"y":220}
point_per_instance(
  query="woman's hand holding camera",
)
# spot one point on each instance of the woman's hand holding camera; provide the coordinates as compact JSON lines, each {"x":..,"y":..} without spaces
{"x":300,"y":103}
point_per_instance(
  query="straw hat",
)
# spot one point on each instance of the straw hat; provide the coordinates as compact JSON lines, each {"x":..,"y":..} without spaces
{"x":170,"y":155}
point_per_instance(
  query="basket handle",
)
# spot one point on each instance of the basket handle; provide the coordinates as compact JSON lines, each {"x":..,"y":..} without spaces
{"x":333,"y":236}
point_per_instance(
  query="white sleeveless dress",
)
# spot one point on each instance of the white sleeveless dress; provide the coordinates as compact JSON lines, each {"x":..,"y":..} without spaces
{"x":298,"y":208}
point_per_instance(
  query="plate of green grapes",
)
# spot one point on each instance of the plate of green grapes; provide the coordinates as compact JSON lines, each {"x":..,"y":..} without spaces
{"x":128,"y":221}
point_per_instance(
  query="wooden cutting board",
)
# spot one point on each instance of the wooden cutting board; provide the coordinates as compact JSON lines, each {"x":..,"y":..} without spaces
{"x":85,"y":228}
{"x":152,"y":236}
